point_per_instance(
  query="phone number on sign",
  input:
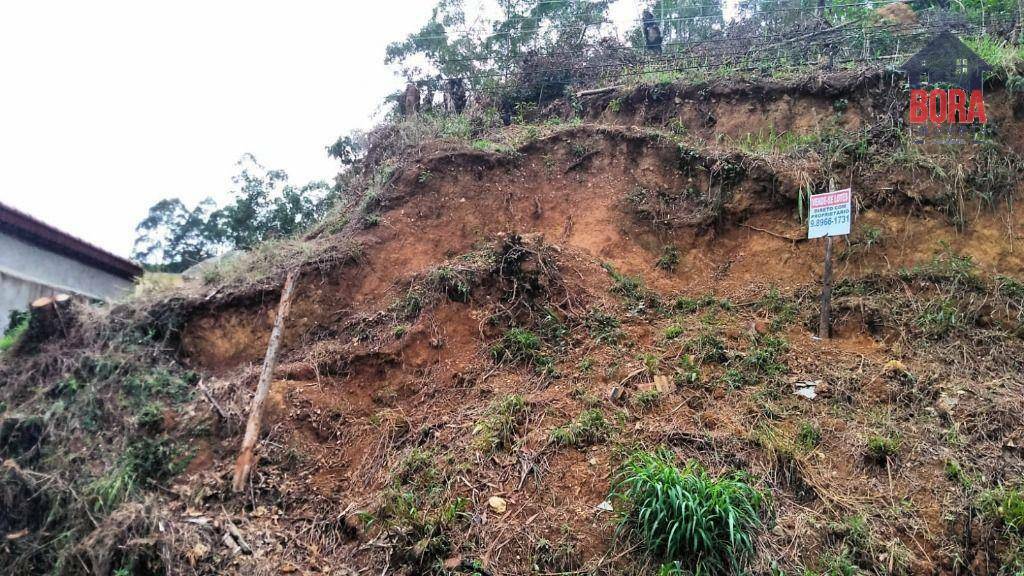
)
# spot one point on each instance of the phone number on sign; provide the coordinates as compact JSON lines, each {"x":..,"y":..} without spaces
{"x":829,"y":220}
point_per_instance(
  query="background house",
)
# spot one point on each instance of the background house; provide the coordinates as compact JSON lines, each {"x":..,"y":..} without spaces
{"x":39,"y":260}
{"x":945,"y":60}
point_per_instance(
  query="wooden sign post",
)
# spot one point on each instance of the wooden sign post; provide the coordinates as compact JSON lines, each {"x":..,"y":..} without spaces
{"x":829,"y":216}
{"x":826,"y":293}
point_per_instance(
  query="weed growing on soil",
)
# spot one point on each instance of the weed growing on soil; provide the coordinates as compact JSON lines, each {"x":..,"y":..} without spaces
{"x":882,"y":448}
{"x":808,"y":435}
{"x":145,"y":462}
{"x":588,"y":428}
{"x":518,"y":345}
{"x":1005,"y":505}
{"x":633,"y":291}
{"x":708,"y":302}
{"x":782,"y":310}
{"x":1012,"y":288}
{"x":498,"y":428}
{"x":604,"y":328}
{"x":674,"y":331}
{"x":685,"y":305}
{"x":764,"y":359}
{"x":939,"y":318}
{"x":955,"y":472}
{"x":645,"y":400}
{"x":452,"y":282}
{"x":688,"y":372}
{"x":706,"y":524}
{"x":13,"y":335}
{"x":707,"y":347}
{"x":669,"y":259}
{"x":421,"y":521}
{"x":855,"y":546}
{"x":521,"y":346}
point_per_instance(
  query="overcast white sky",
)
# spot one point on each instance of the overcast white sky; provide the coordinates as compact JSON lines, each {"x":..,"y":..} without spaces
{"x":109,"y":106}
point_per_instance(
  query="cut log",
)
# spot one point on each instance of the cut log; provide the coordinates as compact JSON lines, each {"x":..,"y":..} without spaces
{"x":49,"y":317}
{"x":244,"y":464}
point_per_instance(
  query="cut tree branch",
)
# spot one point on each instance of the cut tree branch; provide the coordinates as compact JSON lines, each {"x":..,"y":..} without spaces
{"x":252,"y":429}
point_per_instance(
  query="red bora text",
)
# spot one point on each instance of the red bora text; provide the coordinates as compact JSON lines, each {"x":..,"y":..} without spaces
{"x":950,"y":106}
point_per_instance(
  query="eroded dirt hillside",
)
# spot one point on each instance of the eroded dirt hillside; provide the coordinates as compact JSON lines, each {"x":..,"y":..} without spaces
{"x":504,"y":317}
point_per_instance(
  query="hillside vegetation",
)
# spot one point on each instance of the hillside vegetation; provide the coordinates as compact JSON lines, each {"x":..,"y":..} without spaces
{"x":577,"y":343}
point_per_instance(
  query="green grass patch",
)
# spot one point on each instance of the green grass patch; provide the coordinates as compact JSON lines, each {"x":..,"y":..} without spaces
{"x":882,"y":448}
{"x":808,"y":435}
{"x":590,"y":427}
{"x":633,"y":290}
{"x":645,"y":400}
{"x":498,"y":428}
{"x":704,"y":523}
{"x":517,"y":346}
{"x":13,"y":334}
{"x":1006,"y":505}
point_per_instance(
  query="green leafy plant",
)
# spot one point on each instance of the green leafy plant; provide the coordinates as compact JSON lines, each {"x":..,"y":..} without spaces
{"x":765,"y":356}
{"x":604,"y":328}
{"x":707,"y":347}
{"x":685,"y":305}
{"x":669,"y":259}
{"x":632,"y":289}
{"x":707,"y":524}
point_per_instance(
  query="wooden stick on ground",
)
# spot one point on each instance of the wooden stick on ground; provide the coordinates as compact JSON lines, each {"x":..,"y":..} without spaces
{"x":243,"y":466}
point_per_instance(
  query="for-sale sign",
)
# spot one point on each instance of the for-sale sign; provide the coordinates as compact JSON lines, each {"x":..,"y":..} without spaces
{"x":830,"y":214}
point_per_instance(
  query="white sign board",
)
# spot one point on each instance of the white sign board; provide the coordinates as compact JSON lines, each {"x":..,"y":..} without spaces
{"x":830,"y":214}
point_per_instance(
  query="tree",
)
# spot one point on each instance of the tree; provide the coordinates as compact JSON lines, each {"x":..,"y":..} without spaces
{"x":173,"y":237}
{"x":264,"y":205}
{"x":348,"y":149}
{"x":483,"y":53}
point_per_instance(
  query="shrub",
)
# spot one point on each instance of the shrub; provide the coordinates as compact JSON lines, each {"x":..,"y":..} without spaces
{"x":151,"y":417}
{"x":707,"y":524}
{"x":590,"y":427}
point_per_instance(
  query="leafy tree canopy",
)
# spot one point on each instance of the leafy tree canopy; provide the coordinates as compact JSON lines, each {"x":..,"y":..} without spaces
{"x":456,"y":47}
{"x":263,"y":205}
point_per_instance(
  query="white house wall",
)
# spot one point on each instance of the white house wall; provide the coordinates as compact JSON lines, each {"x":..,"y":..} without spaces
{"x":28,"y":272}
